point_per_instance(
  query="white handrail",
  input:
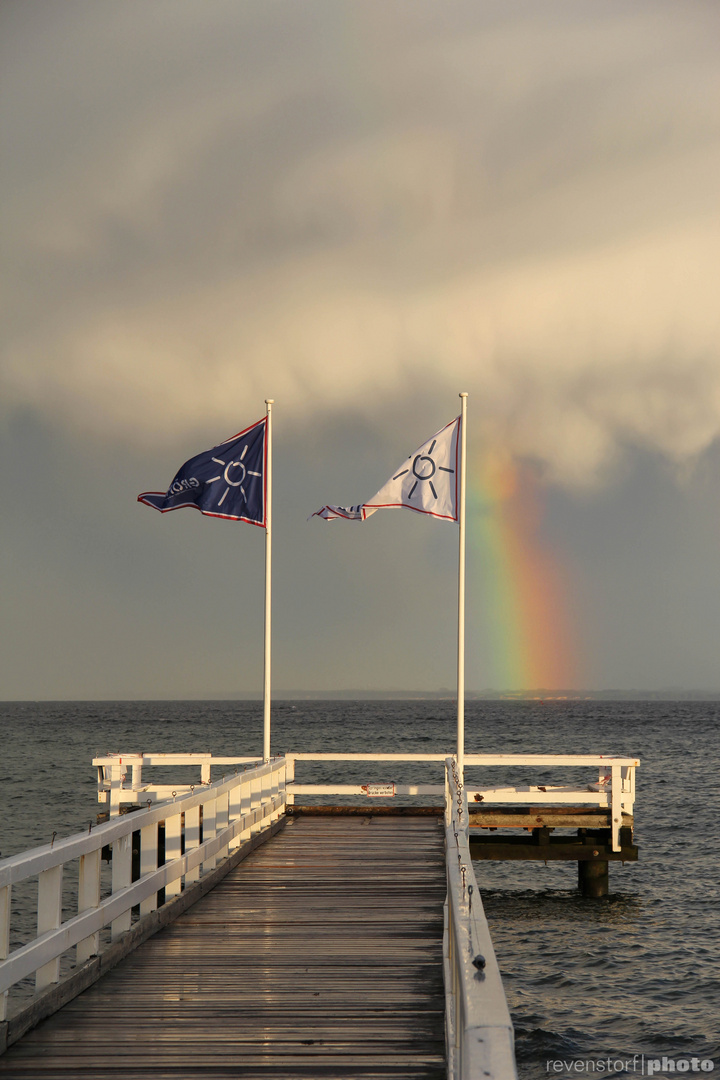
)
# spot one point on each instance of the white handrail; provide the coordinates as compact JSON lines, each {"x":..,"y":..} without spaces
{"x":113,"y":768}
{"x":241,"y":806}
{"x":479,"y":1031}
{"x":474,"y":759}
{"x":614,"y":789}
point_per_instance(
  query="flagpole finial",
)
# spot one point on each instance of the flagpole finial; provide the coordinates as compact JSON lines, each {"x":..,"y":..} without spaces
{"x":463,"y":393}
{"x":269,"y":401}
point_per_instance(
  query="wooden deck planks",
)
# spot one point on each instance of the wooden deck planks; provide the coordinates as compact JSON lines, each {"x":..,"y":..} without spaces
{"x":319,"y":956}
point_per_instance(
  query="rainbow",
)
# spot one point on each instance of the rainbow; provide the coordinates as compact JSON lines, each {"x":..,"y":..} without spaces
{"x":517,"y":599}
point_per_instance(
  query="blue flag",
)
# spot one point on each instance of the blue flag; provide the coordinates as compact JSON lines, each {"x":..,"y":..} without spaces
{"x":225,"y":482}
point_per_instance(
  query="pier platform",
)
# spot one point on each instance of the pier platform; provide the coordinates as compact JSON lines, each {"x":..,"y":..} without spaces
{"x":319,"y":955}
{"x":218,"y":928}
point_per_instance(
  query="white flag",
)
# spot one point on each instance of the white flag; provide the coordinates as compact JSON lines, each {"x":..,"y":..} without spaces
{"x":427,"y":481}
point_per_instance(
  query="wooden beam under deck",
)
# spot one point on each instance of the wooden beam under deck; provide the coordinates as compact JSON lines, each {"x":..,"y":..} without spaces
{"x":533,"y":817}
{"x":543,"y":848}
{"x":319,"y":956}
{"x":485,"y":817}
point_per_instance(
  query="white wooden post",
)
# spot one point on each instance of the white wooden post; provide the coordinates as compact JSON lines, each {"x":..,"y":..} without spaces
{"x":5,"y":895}
{"x":265,"y":796}
{"x":209,"y":830}
{"x":116,"y":779}
{"x":49,"y":918}
{"x":245,"y":805}
{"x":222,"y":815}
{"x":616,"y":806}
{"x":205,"y":772}
{"x":121,"y":878}
{"x":256,"y":785}
{"x":289,"y":779}
{"x":172,"y":852}
{"x":447,"y":794}
{"x":278,"y":776}
{"x":234,"y":811}
{"x":192,"y":840}
{"x":628,"y":787}
{"x":148,"y":863}
{"x":88,"y":897}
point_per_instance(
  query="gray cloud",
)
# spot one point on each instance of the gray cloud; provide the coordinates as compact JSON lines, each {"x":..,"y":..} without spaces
{"x":329,"y":202}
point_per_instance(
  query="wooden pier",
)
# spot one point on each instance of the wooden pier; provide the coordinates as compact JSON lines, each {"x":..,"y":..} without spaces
{"x":238,"y":934}
{"x":319,"y":955}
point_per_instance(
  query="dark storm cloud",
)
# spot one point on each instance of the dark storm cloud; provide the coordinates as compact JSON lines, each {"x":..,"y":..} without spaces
{"x":329,"y":200}
{"x":358,"y":208}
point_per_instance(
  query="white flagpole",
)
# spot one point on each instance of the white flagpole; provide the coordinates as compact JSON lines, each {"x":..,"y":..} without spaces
{"x":268,"y":582}
{"x":461,"y":594}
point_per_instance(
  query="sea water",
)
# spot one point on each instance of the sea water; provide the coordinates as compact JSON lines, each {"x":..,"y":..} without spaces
{"x":607,"y":986}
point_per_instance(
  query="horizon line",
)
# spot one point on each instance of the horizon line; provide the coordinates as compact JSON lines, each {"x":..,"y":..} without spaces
{"x":442,"y":694}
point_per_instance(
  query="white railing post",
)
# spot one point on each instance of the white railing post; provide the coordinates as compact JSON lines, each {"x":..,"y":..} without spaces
{"x":628,"y":788}
{"x":264,"y":795}
{"x":116,"y":778}
{"x":289,"y":779}
{"x":173,"y":834}
{"x":192,"y":840}
{"x":245,"y":806}
{"x":209,"y":831}
{"x":121,"y":878}
{"x":273,"y":790}
{"x":448,"y":796}
{"x":88,"y":898}
{"x":279,"y":784}
{"x":234,"y":812}
{"x":256,"y":784}
{"x":148,"y":863}
{"x":616,"y":800}
{"x":5,"y":896}
{"x":222,"y":820}
{"x":49,"y":917}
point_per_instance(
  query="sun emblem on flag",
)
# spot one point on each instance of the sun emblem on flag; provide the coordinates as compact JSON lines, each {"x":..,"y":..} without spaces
{"x":233,"y":475}
{"x":423,"y":469}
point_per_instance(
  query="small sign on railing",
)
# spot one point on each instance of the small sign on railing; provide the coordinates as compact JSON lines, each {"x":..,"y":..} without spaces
{"x":383,"y":791}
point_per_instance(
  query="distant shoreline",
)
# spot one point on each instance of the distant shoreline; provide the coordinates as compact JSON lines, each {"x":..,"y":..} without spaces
{"x":420,"y":695}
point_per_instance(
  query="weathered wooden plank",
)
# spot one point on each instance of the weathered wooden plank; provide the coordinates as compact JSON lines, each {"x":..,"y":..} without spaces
{"x":319,"y":956}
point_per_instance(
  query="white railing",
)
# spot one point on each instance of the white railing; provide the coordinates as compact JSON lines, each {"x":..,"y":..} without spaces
{"x":614,"y":789}
{"x":120,"y":780}
{"x":115,"y":790}
{"x":226,"y":814}
{"x":478,"y":1029}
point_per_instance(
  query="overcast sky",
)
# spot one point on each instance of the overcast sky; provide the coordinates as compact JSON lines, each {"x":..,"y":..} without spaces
{"x":360,"y":208}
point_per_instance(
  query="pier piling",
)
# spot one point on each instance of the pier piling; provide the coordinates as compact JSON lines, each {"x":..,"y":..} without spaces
{"x":593,"y":877}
